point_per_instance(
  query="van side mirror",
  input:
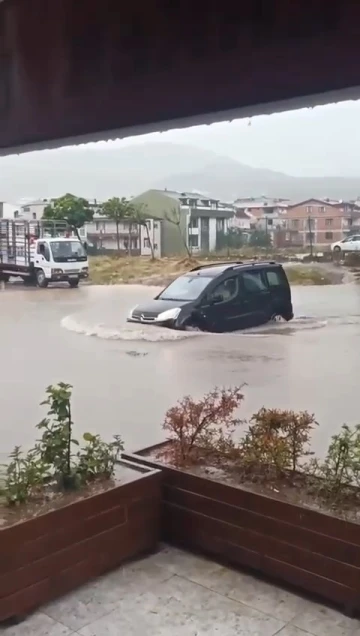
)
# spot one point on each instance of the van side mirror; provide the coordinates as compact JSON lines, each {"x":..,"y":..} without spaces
{"x":216,"y":299}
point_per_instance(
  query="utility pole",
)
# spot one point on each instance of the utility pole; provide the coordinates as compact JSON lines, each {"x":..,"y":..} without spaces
{"x":310,"y":236}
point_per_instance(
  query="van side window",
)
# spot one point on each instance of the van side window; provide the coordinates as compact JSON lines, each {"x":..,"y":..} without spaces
{"x":226,"y":290}
{"x":274,"y":278}
{"x":253,"y":282}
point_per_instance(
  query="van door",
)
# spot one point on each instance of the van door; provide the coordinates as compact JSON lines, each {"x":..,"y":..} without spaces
{"x":256,"y":298}
{"x":222,"y":308}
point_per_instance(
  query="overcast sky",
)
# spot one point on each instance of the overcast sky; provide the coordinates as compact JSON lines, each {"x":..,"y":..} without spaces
{"x":308,"y":142}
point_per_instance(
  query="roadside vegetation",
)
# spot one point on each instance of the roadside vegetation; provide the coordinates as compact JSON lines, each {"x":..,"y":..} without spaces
{"x":58,"y":463}
{"x":271,"y":453}
{"x":305,"y":275}
{"x":114,"y":270}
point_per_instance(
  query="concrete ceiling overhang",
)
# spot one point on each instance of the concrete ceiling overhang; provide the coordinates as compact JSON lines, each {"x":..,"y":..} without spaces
{"x":82,"y":70}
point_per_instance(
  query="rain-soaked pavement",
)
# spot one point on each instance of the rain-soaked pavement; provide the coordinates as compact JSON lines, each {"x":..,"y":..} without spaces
{"x":125,"y":376}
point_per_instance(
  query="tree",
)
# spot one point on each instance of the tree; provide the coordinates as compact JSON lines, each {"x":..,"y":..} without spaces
{"x":233,"y":239}
{"x":260,"y":238}
{"x":175,"y":218}
{"x":138,"y":215}
{"x":76,"y":211}
{"x":118,"y":210}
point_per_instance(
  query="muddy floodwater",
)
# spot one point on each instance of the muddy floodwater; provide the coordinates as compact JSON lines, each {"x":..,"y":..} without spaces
{"x":126,"y":376}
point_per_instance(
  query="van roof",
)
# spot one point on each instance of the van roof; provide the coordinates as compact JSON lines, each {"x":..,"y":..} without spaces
{"x":212,"y":270}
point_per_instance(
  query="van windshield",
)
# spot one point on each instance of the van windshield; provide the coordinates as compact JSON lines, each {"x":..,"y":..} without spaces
{"x":186,"y":288}
{"x":64,"y":251}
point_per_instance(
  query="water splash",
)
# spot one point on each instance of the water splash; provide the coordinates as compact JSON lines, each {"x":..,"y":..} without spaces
{"x":130,"y":332}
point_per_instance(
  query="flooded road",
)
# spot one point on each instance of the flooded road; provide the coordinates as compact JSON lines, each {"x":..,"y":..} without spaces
{"x":126,"y":376}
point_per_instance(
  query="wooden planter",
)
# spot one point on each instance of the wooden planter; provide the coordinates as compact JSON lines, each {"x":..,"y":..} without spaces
{"x":49,"y":555}
{"x":311,"y":550}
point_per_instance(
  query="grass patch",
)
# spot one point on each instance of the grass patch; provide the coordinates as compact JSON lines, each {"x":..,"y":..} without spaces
{"x":113,"y":270}
{"x":300,"y":275}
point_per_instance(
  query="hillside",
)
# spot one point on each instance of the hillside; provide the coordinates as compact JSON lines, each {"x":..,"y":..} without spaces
{"x":103,"y":171}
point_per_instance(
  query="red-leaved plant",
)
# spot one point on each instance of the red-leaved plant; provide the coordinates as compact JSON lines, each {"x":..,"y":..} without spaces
{"x":203,"y":427}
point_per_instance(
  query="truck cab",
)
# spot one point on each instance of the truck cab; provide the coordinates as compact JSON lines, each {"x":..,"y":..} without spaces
{"x":60,"y":259}
{"x":41,"y":252}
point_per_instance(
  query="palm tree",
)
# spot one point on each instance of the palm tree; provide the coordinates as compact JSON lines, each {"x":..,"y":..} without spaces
{"x":118,"y":210}
{"x":138,"y":215}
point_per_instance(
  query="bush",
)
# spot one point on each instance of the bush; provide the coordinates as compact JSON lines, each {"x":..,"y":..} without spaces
{"x":51,"y":462}
{"x":340,"y":471}
{"x":275,"y":442}
{"x":204,"y":426}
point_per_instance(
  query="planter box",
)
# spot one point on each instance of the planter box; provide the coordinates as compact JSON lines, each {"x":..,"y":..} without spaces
{"x":311,"y":550}
{"x":47,"y":556}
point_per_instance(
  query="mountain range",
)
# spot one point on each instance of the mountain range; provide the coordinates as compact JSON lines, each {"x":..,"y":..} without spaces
{"x":105,"y":170}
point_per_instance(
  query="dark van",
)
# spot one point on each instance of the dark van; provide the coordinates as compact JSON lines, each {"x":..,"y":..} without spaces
{"x":221,"y":297}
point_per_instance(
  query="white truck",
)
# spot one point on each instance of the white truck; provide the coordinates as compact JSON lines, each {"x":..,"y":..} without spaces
{"x":41,"y":252}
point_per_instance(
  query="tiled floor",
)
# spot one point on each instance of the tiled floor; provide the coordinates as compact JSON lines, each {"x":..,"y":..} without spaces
{"x":173,"y":593}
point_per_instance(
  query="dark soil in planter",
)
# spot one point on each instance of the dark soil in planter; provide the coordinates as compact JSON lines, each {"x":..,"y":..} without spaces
{"x":298,"y":488}
{"x":50,"y":498}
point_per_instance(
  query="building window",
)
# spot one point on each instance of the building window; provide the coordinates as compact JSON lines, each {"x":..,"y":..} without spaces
{"x":321,"y":208}
{"x":295,"y":223}
{"x":34,"y":216}
{"x":146,"y":243}
{"x":26,"y":208}
{"x":309,"y":209}
{"x":19,"y":230}
{"x":328,"y":236}
{"x":310,"y":236}
{"x":269,"y":221}
{"x":220,"y":225}
{"x":193,"y":240}
{"x":328,"y":222}
{"x":194,"y":222}
{"x":156,"y":225}
{"x":16,"y":214}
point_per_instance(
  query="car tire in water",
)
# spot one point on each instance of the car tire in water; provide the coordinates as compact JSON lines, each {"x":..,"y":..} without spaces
{"x":74,"y":282}
{"x":337,"y":249}
{"x":41,"y":278}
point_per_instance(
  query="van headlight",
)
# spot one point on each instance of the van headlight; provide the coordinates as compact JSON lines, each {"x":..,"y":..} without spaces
{"x":169,"y":314}
{"x":130,"y":314}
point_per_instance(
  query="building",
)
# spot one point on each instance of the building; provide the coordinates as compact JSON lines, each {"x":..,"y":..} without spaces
{"x":32,"y":210}
{"x":8,"y":210}
{"x":187,"y":218}
{"x":319,"y":222}
{"x":26,"y":210}
{"x":264,"y":212}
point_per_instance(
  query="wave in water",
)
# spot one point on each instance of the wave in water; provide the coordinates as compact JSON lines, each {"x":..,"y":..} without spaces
{"x":131,"y":333}
{"x":158,"y":334}
{"x":279,"y":327}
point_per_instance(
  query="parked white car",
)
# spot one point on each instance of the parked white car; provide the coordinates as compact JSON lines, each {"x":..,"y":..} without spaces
{"x":348,"y":244}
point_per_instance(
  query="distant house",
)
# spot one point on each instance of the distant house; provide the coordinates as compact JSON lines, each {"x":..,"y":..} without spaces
{"x":320,"y":221}
{"x":101,"y":233}
{"x":264,"y":213}
{"x":29,"y":211}
{"x":201,"y":219}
